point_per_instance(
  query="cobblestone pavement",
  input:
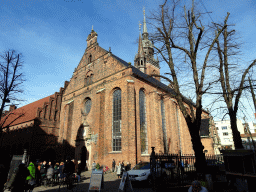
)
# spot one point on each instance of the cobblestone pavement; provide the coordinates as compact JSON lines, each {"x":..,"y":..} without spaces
{"x":111,"y":184}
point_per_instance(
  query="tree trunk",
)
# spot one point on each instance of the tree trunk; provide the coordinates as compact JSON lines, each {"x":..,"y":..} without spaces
{"x":236,"y":134}
{"x":198,"y":148}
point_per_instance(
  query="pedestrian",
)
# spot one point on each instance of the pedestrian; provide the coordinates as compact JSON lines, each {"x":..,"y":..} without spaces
{"x":118,"y":170}
{"x":128,"y":166}
{"x":113,"y":165}
{"x":122,"y":168}
{"x":43,"y":171}
{"x":61,"y":169}
{"x":78,"y":171}
{"x":31,"y":179}
{"x":49,"y":173}
{"x":196,"y":187}
{"x":93,"y":165}
{"x":69,"y":168}
{"x":56,"y":171}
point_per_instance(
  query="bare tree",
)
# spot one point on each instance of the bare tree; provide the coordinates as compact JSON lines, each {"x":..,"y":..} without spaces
{"x":11,"y":79}
{"x":231,"y":90}
{"x":170,"y":38}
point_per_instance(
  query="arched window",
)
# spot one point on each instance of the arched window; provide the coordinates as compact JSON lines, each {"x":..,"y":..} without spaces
{"x":141,"y":62}
{"x":46,"y":111}
{"x":90,"y":59}
{"x":116,"y":129}
{"x":87,"y":106}
{"x":164,"y":126}
{"x":143,"y":127}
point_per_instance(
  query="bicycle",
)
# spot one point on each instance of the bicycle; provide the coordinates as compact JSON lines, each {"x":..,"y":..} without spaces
{"x":67,"y":182}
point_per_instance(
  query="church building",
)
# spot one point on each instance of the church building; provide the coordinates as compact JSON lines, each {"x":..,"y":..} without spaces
{"x":109,"y":110}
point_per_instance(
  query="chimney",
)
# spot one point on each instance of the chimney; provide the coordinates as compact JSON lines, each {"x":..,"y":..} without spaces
{"x":12,"y":107}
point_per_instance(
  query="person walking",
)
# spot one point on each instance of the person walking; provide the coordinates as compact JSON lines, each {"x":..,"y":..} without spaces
{"x":113,"y":165}
{"x":31,"y":179}
{"x":118,"y":170}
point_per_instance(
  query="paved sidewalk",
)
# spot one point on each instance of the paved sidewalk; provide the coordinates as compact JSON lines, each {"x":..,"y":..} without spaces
{"x":111,"y":184}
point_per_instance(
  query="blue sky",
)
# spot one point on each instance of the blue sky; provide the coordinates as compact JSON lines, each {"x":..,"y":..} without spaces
{"x":51,"y":35}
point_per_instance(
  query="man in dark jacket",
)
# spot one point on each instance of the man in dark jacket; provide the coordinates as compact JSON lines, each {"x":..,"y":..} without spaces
{"x":43,"y":171}
{"x":69,"y":169}
{"x":113,"y":165}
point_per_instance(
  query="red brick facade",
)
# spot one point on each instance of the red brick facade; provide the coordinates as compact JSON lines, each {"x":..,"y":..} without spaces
{"x":68,"y":126}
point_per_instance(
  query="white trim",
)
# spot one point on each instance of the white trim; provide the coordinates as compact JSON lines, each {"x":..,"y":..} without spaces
{"x":70,"y":101}
{"x":130,"y":81}
{"x":100,"y":90}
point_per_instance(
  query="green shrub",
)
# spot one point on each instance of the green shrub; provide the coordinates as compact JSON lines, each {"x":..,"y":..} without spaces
{"x":98,"y":166}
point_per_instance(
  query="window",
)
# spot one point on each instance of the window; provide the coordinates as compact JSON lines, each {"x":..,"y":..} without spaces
{"x":90,"y":59}
{"x":225,"y":133}
{"x":116,"y":130}
{"x":143,"y":128}
{"x":164,"y":126}
{"x":46,"y":111}
{"x":224,"y":128}
{"x":87,"y":106}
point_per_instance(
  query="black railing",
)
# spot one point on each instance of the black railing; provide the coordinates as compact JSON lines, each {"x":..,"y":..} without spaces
{"x":180,"y":169}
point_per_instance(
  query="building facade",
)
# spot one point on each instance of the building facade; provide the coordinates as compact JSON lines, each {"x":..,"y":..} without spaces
{"x":111,"y":109}
{"x":225,"y":133}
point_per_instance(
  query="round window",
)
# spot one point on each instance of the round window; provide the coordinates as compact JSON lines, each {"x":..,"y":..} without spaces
{"x":87,"y":106}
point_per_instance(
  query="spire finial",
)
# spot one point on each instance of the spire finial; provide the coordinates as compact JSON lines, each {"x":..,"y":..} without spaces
{"x":139,"y":25}
{"x":144,"y":22}
{"x":92,"y":27}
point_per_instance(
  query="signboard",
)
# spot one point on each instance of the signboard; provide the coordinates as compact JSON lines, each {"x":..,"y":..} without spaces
{"x":125,"y":184}
{"x":97,"y":181}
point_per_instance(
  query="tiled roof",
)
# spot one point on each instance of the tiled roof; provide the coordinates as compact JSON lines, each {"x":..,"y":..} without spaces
{"x":25,"y":113}
{"x":151,"y":79}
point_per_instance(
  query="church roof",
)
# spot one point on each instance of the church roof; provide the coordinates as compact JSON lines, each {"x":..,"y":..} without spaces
{"x":150,"y":79}
{"x":25,"y":113}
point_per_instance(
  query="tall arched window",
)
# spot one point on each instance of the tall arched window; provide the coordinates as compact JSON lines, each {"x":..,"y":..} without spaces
{"x":143,"y":127}
{"x":116,"y":130}
{"x":164,"y":126}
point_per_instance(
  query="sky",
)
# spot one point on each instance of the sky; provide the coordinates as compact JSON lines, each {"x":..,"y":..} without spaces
{"x":51,"y":34}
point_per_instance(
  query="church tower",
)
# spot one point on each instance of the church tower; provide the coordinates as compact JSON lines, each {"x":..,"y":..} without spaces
{"x":144,"y":59}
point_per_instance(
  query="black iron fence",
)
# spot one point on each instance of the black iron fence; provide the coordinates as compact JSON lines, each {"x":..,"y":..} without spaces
{"x":180,"y":169}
